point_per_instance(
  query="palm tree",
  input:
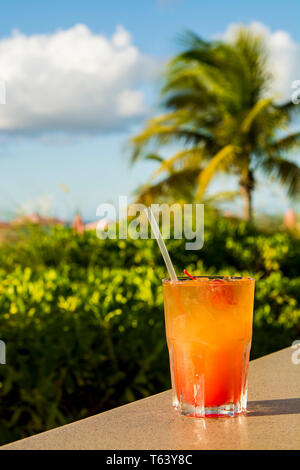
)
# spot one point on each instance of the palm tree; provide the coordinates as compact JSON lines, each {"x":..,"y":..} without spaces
{"x":222,"y":118}
{"x":179,"y":186}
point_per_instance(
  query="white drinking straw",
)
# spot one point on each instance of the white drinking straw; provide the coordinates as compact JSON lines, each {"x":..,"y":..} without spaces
{"x":161,"y":244}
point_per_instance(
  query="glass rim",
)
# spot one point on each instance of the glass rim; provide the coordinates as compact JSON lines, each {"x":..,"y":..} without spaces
{"x":208,"y":278}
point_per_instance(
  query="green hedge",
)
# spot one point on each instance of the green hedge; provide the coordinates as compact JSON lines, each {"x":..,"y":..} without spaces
{"x":76,"y":347}
{"x":228,"y":244}
{"x":83,"y":318}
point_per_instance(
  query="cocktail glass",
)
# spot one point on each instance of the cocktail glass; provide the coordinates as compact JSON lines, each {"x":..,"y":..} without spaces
{"x":209,"y":328}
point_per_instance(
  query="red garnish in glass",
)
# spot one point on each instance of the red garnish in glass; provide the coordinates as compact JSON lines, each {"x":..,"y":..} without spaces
{"x":189,"y":275}
{"x":222,"y":294}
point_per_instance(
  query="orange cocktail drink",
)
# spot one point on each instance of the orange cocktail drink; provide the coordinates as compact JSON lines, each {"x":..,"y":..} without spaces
{"x":209,"y":328}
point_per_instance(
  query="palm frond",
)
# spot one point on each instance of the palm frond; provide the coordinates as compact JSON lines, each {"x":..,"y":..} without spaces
{"x":253,"y":113}
{"x":287,"y":172}
{"x":220,"y":159}
{"x":285,"y":144}
{"x":222,"y":196}
{"x":178,"y":184}
{"x":289,"y":108}
{"x":163,"y":130}
{"x":189,"y":39}
{"x":190,"y":158}
{"x":155,"y":157}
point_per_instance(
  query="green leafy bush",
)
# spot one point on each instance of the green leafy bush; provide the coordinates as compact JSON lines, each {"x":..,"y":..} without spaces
{"x":83,"y":322}
{"x":75,"y":347}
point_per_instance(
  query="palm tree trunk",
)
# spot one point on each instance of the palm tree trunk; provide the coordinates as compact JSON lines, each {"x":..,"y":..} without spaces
{"x":246,"y":187}
{"x":247,"y":197}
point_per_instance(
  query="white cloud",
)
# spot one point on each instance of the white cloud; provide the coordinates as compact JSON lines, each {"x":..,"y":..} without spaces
{"x":73,"y":81}
{"x":284,"y":56}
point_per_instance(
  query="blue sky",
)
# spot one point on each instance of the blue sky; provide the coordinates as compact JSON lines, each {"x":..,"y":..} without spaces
{"x":35,"y":161}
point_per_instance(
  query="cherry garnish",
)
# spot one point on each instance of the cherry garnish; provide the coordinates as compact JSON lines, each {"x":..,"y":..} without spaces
{"x":189,"y":275}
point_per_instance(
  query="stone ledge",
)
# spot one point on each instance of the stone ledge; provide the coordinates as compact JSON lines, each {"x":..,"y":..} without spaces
{"x":272,"y":422}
